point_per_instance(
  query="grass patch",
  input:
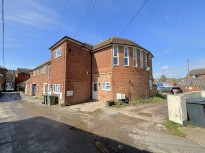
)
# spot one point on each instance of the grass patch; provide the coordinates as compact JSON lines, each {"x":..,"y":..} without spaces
{"x":173,"y":127}
{"x":154,"y":99}
{"x":146,"y":100}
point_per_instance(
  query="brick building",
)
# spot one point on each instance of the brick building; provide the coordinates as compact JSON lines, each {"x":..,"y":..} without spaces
{"x":3,"y":72}
{"x":78,"y":72}
{"x":10,"y":79}
{"x":22,"y":74}
{"x":195,"y":81}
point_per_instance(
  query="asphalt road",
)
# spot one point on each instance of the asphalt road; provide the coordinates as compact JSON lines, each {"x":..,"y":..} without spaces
{"x":28,"y":126}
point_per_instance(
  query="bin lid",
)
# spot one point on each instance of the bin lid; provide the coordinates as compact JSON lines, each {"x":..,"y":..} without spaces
{"x":196,"y":101}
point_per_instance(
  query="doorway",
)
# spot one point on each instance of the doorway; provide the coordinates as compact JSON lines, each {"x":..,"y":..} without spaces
{"x":95,"y":90}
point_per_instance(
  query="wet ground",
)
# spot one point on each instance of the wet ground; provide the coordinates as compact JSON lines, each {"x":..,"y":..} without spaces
{"x":26,"y":125}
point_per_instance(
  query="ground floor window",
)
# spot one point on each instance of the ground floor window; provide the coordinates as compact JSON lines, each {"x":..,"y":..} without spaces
{"x":56,"y":88}
{"x":106,"y":86}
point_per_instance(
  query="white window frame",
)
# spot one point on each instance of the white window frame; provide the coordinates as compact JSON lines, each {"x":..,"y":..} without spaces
{"x":57,"y":53}
{"x":34,"y":73}
{"x":49,"y":89}
{"x":135,"y":58}
{"x":49,"y":69}
{"x":106,"y":86}
{"x":127,"y":56}
{"x":141,"y":59}
{"x":56,"y":88}
{"x":113,"y":57}
{"x":146,"y":60}
{"x":44,"y":89}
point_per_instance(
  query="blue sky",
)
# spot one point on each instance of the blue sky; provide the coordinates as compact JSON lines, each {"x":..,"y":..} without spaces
{"x":173,"y":30}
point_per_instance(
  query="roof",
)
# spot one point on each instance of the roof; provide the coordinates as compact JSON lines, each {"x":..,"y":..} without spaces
{"x":11,"y":72}
{"x":193,"y":82}
{"x":47,"y":62}
{"x":85,"y":45}
{"x":1,"y":67}
{"x":117,"y":41}
{"x":197,"y":71}
{"x":23,"y":70}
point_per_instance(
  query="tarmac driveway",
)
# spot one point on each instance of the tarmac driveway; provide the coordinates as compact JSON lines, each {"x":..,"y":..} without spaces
{"x":28,"y":126}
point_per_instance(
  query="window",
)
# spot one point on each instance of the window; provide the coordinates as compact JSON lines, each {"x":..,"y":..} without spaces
{"x":146,"y":65}
{"x":42,"y":70}
{"x":197,"y":76}
{"x":57,"y":53}
{"x":49,"y":88}
{"x":48,"y":71}
{"x":39,"y":71}
{"x":115,"y":55}
{"x":150,"y":84}
{"x":126,"y":56}
{"x":56,"y":88}
{"x":134,"y":57}
{"x":106,"y":86}
{"x":34,"y":73}
{"x":44,"y":88}
{"x":141,"y":59}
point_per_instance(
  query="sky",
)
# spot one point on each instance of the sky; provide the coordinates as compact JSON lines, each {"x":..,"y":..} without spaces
{"x":172,"y":30}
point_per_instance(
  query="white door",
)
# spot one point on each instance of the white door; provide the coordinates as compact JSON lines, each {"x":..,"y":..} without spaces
{"x":95,"y":90}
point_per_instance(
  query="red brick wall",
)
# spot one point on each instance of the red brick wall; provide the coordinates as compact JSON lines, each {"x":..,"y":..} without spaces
{"x":21,"y":77}
{"x":190,"y":88}
{"x":38,"y":79}
{"x":78,"y":73}
{"x":129,"y":80}
{"x":102,"y":71}
{"x":3,"y":79}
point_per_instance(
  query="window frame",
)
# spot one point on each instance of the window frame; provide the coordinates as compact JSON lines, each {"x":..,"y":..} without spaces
{"x":113,"y":55}
{"x":58,"y":53}
{"x":127,"y":56}
{"x":141,"y":59}
{"x":107,"y":86}
{"x":135,"y":58}
{"x":49,"y":69}
{"x":56,"y":88}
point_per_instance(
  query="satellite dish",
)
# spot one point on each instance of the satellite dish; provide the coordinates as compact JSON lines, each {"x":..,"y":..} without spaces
{"x":148,"y":68}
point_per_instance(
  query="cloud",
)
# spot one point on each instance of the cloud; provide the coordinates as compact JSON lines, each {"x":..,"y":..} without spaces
{"x":30,"y":13}
{"x":164,"y":68}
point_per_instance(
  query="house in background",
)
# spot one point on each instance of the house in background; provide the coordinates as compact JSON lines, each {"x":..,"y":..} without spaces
{"x":3,"y":72}
{"x":197,"y":73}
{"x":195,"y":81}
{"x":78,"y":72}
{"x":22,"y":74}
{"x":10,"y":79}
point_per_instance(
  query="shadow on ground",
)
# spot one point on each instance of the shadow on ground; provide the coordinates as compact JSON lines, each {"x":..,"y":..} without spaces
{"x":8,"y":97}
{"x":40,"y":134}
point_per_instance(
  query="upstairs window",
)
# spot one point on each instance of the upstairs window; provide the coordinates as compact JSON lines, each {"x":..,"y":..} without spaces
{"x":134,"y":57}
{"x":115,"y":56}
{"x":34,"y":73}
{"x":57,"y":53}
{"x":48,"y":71}
{"x":141,"y":59}
{"x":126,"y":56}
{"x":39,"y":71}
{"x":146,"y":63}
